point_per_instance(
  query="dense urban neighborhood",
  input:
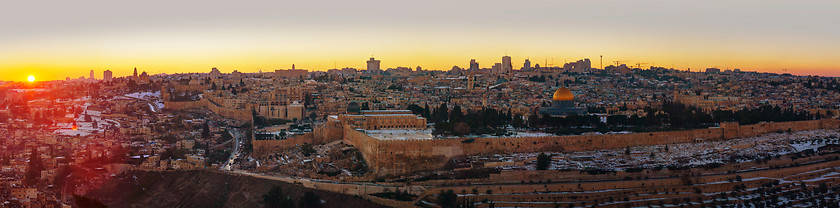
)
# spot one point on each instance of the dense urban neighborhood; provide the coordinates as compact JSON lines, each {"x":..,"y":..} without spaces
{"x":500,"y":136}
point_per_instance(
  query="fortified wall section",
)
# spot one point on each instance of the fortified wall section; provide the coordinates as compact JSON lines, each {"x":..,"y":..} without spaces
{"x":240,"y":115}
{"x":320,"y":135}
{"x":181,"y":88}
{"x":393,"y":157}
{"x":184,"y":105}
{"x":266,"y":147}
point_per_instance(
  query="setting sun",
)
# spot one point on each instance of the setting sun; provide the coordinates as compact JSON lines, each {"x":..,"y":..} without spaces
{"x":31,"y":78}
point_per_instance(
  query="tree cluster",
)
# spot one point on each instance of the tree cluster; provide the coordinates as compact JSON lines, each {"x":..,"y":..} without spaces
{"x":275,"y":198}
{"x":671,"y":116}
{"x":455,"y":122}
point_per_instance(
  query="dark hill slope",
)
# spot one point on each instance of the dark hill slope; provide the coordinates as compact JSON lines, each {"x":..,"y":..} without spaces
{"x":204,"y":189}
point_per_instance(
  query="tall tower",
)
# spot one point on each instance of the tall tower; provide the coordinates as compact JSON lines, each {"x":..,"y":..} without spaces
{"x":676,"y":94}
{"x":470,"y":83}
{"x":135,"y":72}
{"x":602,"y":61}
{"x":527,"y":65}
{"x":506,"y":66}
{"x":373,"y":65}
{"x":91,"y":75}
{"x":107,"y":75}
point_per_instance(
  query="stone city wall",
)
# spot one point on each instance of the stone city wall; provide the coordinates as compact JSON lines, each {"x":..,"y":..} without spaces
{"x":241,"y":115}
{"x":394,"y":157}
{"x":190,"y":88}
{"x":319,"y":135}
{"x":266,"y":147}
{"x":184,"y":105}
{"x":165,"y":95}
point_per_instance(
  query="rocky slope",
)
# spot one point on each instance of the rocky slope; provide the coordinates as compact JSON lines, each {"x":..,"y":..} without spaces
{"x":203,"y":189}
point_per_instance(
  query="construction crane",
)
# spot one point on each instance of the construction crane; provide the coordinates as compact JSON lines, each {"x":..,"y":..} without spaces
{"x":639,"y":64}
{"x":619,"y":62}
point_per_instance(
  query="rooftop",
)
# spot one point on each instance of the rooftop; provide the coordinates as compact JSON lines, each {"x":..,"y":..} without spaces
{"x":399,"y":134}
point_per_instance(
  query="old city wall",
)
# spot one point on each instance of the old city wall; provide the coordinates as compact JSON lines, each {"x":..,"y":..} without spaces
{"x":184,"y":105}
{"x":318,"y":136}
{"x":241,"y":115}
{"x":366,"y":144}
{"x":181,"y":88}
{"x":392,"y":157}
{"x":265,"y":147}
{"x":189,"y":88}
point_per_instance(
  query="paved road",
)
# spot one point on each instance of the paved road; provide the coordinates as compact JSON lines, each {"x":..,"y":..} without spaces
{"x":352,"y":188}
{"x":238,"y":139}
{"x":152,"y":105}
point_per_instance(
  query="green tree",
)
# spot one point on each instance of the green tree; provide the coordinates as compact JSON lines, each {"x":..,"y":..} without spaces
{"x":276,"y":199}
{"x":416,"y":109}
{"x":426,"y":111}
{"x":456,"y":115}
{"x":461,"y":128}
{"x":310,"y":200}
{"x":307,"y":149}
{"x":517,"y":121}
{"x":543,"y":161}
{"x":447,"y":199}
{"x":205,"y":130}
{"x":441,"y":114}
{"x":33,"y":172}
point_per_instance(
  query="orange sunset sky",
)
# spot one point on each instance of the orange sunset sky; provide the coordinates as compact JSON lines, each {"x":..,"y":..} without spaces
{"x":70,"y":38}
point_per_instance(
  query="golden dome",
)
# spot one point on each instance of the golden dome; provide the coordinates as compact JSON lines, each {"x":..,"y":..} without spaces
{"x":563,"y":94}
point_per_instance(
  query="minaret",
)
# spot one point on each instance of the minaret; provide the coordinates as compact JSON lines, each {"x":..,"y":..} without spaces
{"x":676,"y":95}
{"x":470,"y":83}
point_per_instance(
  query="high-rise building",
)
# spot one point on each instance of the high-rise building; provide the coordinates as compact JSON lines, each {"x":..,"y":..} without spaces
{"x":107,"y":75}
{"x":135,"y":72}
{"x":473,"y":65}
{"x":497,"y":68}
{"x":578,"y":66}
{"x":527,"y":65}
{"x":506,"y":65}
{"x":91,"y":75}
{"x":373,"y":66}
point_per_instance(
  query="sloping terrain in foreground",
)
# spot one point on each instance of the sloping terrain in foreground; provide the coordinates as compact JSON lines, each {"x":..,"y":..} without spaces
{"x":204,"y":189}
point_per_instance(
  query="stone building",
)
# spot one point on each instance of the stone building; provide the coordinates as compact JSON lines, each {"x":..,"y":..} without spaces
{"x":384,"y":119}
{"x":563,"y":104}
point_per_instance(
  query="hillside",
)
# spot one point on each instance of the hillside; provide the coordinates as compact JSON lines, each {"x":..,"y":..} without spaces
{"x":203,"y":189}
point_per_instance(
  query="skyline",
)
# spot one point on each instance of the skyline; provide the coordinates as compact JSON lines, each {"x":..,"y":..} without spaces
{"x":72,"y":38}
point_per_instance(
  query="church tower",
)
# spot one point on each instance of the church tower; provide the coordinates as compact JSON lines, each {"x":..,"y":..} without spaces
{"x":676,"y":95}
{"x":470,"y":83}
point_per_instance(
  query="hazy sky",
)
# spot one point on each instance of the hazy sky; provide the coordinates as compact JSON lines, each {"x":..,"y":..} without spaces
{"x":57,"y":39}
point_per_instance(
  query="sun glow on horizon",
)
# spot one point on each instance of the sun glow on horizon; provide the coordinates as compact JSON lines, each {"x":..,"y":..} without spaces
{"x":30,"y":78}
